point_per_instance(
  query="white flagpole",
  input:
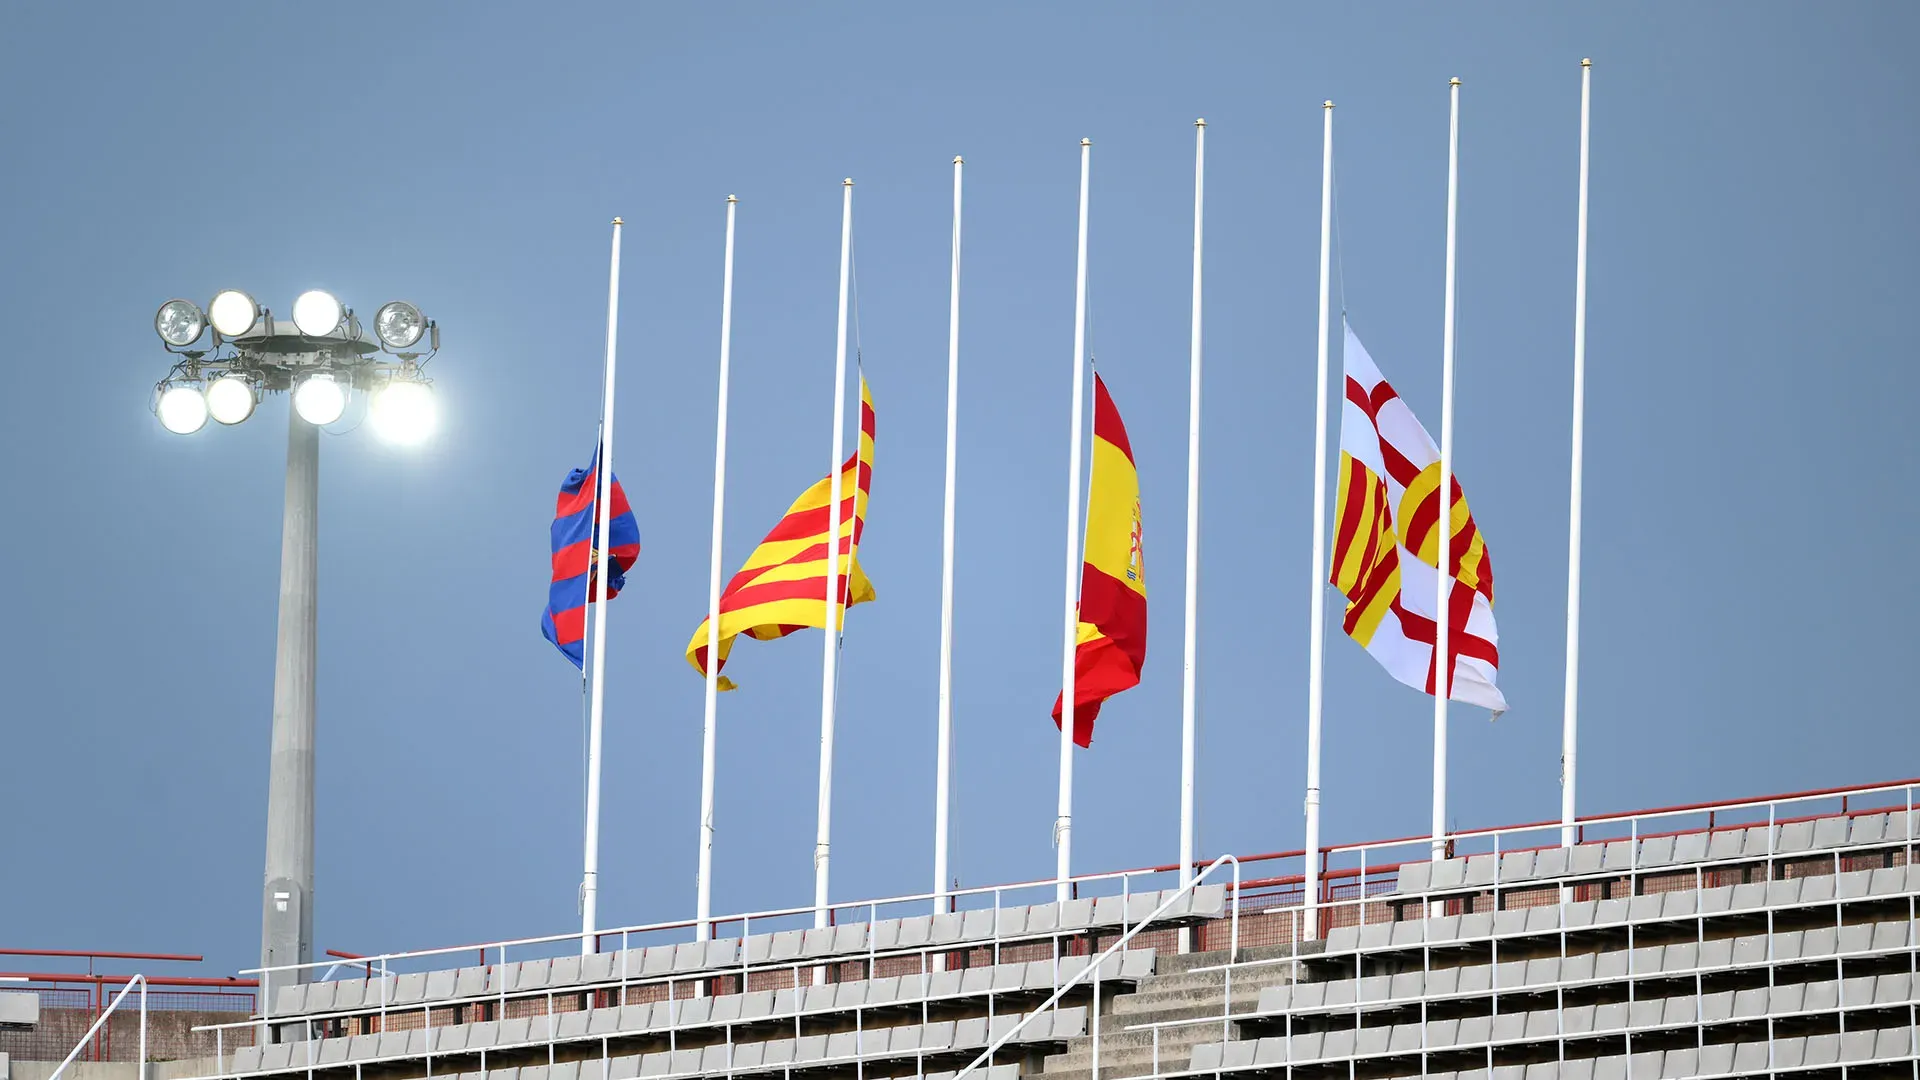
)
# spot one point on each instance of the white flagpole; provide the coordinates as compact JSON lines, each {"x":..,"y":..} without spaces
{"x":603,"y":501}
{"x":944,"y":766}
{"x":1063,"y":825}
{"x":1188,"y":696}
{"x":1316,"y":635}
{"x":703,"y":905}
{"x":1569,"y":742}
{"x":832,"y":631}
{"x":1442,"y":668}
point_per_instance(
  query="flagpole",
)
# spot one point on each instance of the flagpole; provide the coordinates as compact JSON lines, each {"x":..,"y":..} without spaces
{"x":831,"y":632}
{"x":1063,"y":825}
{"x":1316,"y":634}
{"x":1442,"y":665}
{"x":703,"y":907}
{"x":944,"y":765}
{"x":1188,"y":691}
{"x":1569,"y":741}
{"x":603,"y":535}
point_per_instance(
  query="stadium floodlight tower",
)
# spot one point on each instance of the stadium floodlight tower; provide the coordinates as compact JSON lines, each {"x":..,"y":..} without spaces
{"x":228,"y":357}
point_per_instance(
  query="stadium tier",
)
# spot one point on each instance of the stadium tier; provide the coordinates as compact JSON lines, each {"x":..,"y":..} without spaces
{"x":1766,"y":938}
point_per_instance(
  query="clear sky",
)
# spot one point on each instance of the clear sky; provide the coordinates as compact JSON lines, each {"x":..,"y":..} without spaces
{"x":1750,"y":443}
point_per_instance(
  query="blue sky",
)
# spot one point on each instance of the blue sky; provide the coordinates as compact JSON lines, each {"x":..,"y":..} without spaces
{"x":1751,"y":388}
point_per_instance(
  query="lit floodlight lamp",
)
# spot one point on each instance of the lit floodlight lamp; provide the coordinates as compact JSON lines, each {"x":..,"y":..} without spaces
{"x":399,"y":324}
{"x":232,"y":313}
{"x":182,"y":409}
{"x":404,"y":412}
{"x":179,"y":323}
{"x":230,"y":399}
{"x":320,"y":399}
{"x":317,"y":313}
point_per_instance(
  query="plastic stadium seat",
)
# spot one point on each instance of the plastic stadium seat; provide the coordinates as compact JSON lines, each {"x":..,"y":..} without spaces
{"x":1587,"y":859}
{"x":1542,"y":920}
{"x":1516,"y":866}
{"x":1448,"y":873}
{"x":1479,"y":872}
{"x":1413,"y":877}
{"x":1550,"y":862}
{"x":1893,"y":1042}
{"x":1646,"y":1064}
{"x":1577,"y":968}
{"x":1610,"y":1017}
{"x":1750,"y":1057}
{"x":1679,"y":1063}
{"x":1656,"y":851}
{"x":1822,"y":996}
{"x":1206,"y":1056}
{"x":1795,"y":837}
{"x":1679,"y":905}
{"x":1266,"y":1052}
{"x":1867,"y":829}
{"x":1209,"y":901}
{"x":1830,"y":832}
{"x":1724,"y":845}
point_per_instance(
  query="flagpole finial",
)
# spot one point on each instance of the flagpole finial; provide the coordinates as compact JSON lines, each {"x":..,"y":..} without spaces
{"x":1327,"y":104}
{"x":1455,"y":81}
{"x":733,"y":198}
{"x":958,"y":160}
{"x":1086,"y":142}
{"x":848,"y":182}
{"x":1586,"y":61}
{"x":1202,"y":122}
{"x":617,"y":221}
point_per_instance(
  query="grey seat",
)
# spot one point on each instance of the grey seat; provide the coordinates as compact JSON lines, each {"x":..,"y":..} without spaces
{"x":1516,"y":866}
{"x":1723,"y":844}
{"x":1656,"y":851}
{"x":1830,"y":832}
{"x":1412,"y":878}
{"x":1795,"y":837}
{"x":1479,"y":871}
{"x":1690,"y":847}
{"x":1587,"y":859}
{"x":1867,"y":829}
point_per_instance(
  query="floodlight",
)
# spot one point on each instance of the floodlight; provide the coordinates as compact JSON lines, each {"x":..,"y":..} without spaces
{"x":317,"y":313}
{"x":179,"y":323}
{"x":182,"y":410}
{"x":404,"y":412}
{"x":230,"y":398}
{"x":399,"y":324}
{"x":232,"y":313}
{"x":319,"y":399}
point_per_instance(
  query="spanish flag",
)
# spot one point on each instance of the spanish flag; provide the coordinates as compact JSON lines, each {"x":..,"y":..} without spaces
{"x":1112,"y":637}
{"x":783,"y":586}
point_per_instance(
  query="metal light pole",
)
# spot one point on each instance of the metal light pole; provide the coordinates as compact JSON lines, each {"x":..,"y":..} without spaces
{"x":321,"y":359}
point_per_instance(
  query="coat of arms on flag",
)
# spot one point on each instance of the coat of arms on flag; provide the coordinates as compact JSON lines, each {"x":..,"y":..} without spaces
{"x":1387,"y":547}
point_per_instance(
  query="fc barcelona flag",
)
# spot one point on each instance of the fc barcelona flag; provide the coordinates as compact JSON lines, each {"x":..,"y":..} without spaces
{"x":1112,"y":635}
{"x":576,"y":556}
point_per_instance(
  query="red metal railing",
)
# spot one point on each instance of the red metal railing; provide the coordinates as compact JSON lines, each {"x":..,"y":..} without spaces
{"x":70,"y":1002}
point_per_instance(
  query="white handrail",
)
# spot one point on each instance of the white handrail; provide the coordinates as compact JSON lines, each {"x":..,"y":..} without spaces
{"x":1093,"y":966}
{"x":139,"y":981}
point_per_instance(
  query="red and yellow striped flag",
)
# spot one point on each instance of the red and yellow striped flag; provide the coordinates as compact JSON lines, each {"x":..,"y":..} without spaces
{"x":783,"y":586}
{"x":1112,"y":636}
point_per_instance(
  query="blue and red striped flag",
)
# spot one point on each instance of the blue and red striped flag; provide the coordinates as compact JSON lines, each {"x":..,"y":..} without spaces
{"x":576,"y":557}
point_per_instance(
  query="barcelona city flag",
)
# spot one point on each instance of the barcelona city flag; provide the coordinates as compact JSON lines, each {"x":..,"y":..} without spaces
{"x":1112,"y":636}
{"x":783,"y":586}
{"x":576,"y":556}
{"x":1386,"y":552}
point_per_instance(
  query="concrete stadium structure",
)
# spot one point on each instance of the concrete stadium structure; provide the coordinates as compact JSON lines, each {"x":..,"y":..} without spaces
{"x":1771,"y":937}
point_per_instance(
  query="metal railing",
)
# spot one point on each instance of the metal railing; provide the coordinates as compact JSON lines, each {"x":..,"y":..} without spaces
{"x":137,"y":980}
{"x":1093,"y":969}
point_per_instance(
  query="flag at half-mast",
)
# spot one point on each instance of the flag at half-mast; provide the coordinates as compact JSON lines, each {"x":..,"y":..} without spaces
{"x":1386,"y":549}
{"x":576,"y":556}
{"x":783,"y":586}
{"x":1111,"y":642}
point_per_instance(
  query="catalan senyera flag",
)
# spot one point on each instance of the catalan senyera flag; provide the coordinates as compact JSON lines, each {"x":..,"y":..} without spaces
{"x":576,"y":556}
{"x":1386,"y":547}
{"x":783,"y":586}
{"x":1112,"y":635}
